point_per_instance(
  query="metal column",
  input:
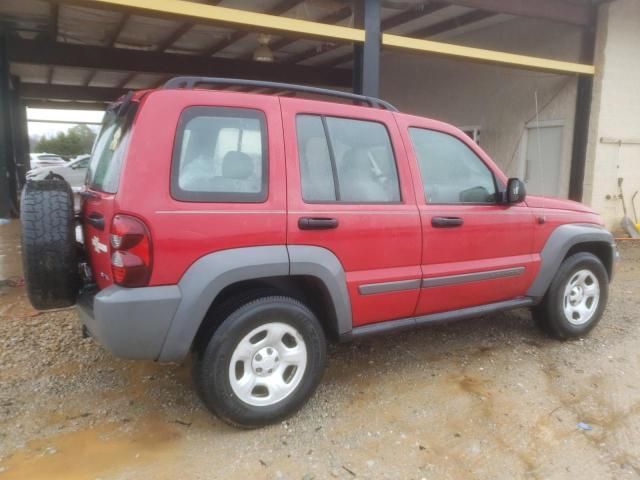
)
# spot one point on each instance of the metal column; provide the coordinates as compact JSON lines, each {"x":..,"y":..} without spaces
{"x":20,"y":134}
{"x":582,"y":114}
{"x":366,"y":57}
{"x":7,"y":175}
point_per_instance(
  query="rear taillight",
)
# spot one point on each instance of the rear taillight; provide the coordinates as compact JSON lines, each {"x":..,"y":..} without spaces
{"x":131,"y":257}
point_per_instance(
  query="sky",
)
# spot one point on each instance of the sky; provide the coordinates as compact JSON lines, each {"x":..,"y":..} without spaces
{"x":73,"y":117}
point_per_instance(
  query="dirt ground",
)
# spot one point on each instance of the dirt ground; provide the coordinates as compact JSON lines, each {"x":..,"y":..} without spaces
{"x":485,"y":398}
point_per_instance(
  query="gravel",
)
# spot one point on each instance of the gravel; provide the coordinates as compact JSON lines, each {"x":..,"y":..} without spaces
{"x":484,"y":398}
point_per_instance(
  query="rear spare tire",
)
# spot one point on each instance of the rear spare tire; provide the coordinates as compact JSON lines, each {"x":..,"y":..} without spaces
{"x":49,"y":251}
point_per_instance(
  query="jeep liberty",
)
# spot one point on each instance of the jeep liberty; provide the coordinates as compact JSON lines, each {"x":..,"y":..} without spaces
{"x":246,"y":230}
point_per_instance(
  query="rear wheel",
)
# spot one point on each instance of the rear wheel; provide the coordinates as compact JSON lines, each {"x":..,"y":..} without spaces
{"x":576,"y":298}
{"x":49,"y":250}
{"x":262,"y":363}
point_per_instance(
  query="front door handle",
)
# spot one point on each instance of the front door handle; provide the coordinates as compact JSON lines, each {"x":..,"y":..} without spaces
{"x":314,"y":223}
{"x":446,"y":222}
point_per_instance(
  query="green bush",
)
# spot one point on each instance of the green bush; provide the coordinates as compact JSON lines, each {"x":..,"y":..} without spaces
{"x":75,"y":141}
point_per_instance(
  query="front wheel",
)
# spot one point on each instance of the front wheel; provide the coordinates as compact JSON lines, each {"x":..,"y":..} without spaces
{"x":263,"y":362}
{"x":576,"y":298}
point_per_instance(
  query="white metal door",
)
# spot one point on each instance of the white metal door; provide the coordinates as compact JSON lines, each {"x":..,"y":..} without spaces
{"x":543,"y":158}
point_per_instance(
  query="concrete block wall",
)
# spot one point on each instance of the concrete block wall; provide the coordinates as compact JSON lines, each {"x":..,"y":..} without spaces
{"x":615,"y":112}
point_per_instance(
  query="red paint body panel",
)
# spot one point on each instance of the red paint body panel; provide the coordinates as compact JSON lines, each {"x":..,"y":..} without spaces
{"x":374,"y":243}
{"x":552,"y":203}
{"x":182,"y":232}
{"x":492,"y":237}
{"x":100,"y":257}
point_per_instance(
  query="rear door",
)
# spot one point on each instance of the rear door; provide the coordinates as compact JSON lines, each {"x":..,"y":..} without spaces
{"x":349,"y":191}
{"x":475,"y":250}
{"x":102,"y":185}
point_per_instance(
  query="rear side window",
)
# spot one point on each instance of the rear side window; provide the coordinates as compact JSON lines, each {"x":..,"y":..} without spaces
{"x":220,"y":155}
{"x":109,"y":150}
{"x":346,"y":160}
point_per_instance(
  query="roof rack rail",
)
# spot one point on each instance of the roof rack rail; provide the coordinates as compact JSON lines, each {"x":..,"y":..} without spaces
{"x":192,"y":82}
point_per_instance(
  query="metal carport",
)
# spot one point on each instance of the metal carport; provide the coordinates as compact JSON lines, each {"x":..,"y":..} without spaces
{"x":84,"y":53}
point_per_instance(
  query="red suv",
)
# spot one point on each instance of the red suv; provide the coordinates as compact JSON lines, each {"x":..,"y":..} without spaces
{"x":246,"y":229}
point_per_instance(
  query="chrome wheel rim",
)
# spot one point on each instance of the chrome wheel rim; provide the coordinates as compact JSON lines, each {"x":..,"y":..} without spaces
{"x":581,"y":297}
{"x":268,"y":364}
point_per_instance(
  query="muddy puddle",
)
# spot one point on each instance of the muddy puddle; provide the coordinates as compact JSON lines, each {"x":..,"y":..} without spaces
{"x":91,"y":453}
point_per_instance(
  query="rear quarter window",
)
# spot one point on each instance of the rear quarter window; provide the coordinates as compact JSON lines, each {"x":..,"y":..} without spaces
{"x":220,"y":155}
{"x":109,"y":150}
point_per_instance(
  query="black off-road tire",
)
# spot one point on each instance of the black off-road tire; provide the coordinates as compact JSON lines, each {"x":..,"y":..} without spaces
{"x":49,"y":250}
{"x":211,"y":366}
{"x":550,"y":315}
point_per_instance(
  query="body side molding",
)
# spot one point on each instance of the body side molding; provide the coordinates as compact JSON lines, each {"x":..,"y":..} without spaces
{"x":384,"y":287}
{"x":558,"y":244}
{"x":471,"y":277}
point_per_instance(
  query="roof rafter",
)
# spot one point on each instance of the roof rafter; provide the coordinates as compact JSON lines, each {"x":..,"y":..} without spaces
{"x":54,"y":20}
{"x":565,"y":11}
{"x":333,"y":17}
{"x":401,"y":18}
{"x":428,"y":31}
{"x":180,"y":31}
{"x":111,"y":41}
{"x":167,"y":42}
{"x":279,"y":9}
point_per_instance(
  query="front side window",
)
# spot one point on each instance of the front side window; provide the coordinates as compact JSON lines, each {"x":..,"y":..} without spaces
{"x":346,"y":160}
{"x":451,"y":172}
{"x":220,"y":155}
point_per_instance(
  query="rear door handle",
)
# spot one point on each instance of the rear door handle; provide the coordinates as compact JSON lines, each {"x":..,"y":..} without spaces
{"x":314,"y":223}
{"x":446,"y":222}
{"x":95,"y":220}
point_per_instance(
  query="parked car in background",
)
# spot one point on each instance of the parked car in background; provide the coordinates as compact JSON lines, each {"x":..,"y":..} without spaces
{"x":38,"y":160}
{"x":73,"y":172}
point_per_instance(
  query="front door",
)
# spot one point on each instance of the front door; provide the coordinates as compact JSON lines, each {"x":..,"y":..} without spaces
{"x":349,"y":191}
{"x":476,"y":251}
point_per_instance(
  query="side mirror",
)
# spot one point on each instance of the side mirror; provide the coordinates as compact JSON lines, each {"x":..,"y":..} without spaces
{"x":516,"y":191}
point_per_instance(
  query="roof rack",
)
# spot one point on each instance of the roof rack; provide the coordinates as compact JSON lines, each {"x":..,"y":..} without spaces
{"x":192,"y":82}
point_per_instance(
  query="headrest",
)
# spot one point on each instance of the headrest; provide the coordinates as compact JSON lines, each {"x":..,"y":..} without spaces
{"x":237,"y":165}
{"x":356,"y":161}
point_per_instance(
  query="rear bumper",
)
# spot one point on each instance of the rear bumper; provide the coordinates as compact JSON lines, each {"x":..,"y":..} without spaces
{"x":130,"y":322}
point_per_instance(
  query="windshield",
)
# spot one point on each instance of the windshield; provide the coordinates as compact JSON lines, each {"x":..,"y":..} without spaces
{"x":109,"y":150}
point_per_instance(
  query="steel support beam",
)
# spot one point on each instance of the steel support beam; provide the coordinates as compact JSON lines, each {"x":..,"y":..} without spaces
{"x":64,"y":105}
{"x":584,"y":95}
{"x":20,"y":134}
{"x":70,"y":92}
{"x":358,"y":48}
{"x":120,"y":59}
{"x":8,"y":200}
{"x":366,"y":69}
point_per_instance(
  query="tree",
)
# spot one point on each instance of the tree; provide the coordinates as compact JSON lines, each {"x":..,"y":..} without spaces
{"x":75,"y":141}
